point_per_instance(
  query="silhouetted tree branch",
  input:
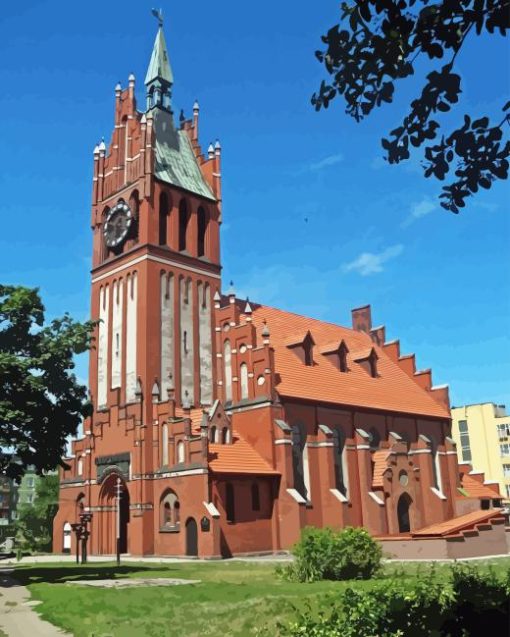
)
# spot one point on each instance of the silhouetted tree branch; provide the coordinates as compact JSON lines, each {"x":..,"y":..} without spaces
{"x":378,"y":42}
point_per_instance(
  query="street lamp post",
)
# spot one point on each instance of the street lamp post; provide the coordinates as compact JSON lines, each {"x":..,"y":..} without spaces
{"x":85,"y":518}
{"x":118,"y":489}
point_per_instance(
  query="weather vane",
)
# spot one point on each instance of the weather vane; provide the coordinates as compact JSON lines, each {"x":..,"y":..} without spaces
{"x":158,"y":13}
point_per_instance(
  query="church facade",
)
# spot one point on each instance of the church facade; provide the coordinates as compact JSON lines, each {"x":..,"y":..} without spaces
{"x":227,"y":425}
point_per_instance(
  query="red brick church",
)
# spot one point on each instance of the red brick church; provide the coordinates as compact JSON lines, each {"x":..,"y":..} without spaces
{"x":232,"y":425}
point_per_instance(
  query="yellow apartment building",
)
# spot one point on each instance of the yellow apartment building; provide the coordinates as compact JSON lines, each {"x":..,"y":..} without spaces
{"x":482,"y":434}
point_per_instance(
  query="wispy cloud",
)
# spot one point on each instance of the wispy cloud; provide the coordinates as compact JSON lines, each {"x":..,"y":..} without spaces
{"x":419,"y":210}
{"x":331,"y":160}
{"x":369,"y":263}
{"x":486,"y":205}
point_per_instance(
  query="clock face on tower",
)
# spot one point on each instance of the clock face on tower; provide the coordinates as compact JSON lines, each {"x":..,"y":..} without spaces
{"x":117,"y":224}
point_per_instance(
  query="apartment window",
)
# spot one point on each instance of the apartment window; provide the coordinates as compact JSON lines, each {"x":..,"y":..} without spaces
{"x":504,"y":431}
{"x":464,"y":441}
{"x":505,"y":449}
{"x":506,"y":470}
{"x":507,"y":490}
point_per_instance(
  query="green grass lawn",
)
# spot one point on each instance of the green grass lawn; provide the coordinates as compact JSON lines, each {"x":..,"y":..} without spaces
{"x":234,"y":599}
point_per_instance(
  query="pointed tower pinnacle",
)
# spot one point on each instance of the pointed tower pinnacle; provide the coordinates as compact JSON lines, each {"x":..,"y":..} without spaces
{"x":159,"y":77}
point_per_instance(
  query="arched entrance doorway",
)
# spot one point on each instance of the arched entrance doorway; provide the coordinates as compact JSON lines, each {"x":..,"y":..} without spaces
{"x":191,"y":537}
{"x":66,"y":544}
{"x":111,"y":517}
{"x":403,"y":506}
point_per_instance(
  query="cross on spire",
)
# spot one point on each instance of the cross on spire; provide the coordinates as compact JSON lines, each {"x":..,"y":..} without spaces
{"x":158,"y":13}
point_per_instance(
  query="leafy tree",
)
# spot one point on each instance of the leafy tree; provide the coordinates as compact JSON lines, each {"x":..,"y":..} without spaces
{"x":41,"y":401}
{"x":378,"y":43}
{"x":34,"y":525}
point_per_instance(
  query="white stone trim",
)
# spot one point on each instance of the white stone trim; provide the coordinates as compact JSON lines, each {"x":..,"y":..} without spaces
{"x":211,"y":509}
{"x":438,"y":493}
{"x":296,"y":495}
{"x":150,"y":257}
{"x":248,"y":407}
{"x":315,"y":445}
{"x":283,"y":441}
{"x":417,"y":451}
{"x":339,"y":495}
{"x":171,"y":474}
{"x":361,"y":447}
{"x":376,"y":498}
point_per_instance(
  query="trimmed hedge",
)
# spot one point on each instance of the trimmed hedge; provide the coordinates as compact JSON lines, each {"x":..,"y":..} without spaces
{"x":326,"y":554}
{"x":471,"y":604}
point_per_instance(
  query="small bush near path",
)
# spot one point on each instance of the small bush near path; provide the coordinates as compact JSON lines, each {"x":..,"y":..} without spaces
{"x":469,"y":604}
{"x":334,"y":555}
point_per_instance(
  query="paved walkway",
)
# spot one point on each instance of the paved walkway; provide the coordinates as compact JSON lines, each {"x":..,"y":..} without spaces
{"x":126,"y":559}
{"x":282,"y":557}
{"x":17,"y":617}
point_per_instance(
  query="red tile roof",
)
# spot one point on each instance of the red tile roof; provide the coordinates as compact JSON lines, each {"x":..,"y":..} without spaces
{"x":454,"y":525}
{"x":195,"y":415}
{"x":238,"y":457}
{"x":392,"y":390}
{"x":475,"y":489}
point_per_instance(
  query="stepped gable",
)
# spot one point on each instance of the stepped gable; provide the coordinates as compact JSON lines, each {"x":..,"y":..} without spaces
{"x":473,"y":484}
{"x":474,"y":489}
{"x":238,"y":457}
{"x":392,"y":389}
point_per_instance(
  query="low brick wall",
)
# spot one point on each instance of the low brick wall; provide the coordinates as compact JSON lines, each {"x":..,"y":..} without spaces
{"x":489,"y":539}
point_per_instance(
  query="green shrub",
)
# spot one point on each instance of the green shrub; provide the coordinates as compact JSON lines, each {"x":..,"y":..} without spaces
{"x":326,"y":554}
{"x":468,"y":604}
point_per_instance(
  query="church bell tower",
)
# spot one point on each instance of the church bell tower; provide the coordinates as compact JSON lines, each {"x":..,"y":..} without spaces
{"x":156,"y":213}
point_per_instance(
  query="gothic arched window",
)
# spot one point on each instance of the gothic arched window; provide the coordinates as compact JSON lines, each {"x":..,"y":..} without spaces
{"x":202,"y":229}
{"x":170,"y":509}
{"x":244,"y":380}
{"x":299,"y":460}
{"x":227,"y":362}
{"x":255,"y":497}
{"x":163,"y":219}
{"x":183,"y":224}
{"x":164,"y":442}
{"x":375,"y":438}
{"x":436,"y":463}
{"x":230,"y":502}
{"x":340,"y":462}
{"x":180,"y":452}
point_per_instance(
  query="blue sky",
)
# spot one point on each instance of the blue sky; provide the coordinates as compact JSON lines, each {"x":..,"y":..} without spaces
{"x":314,"y":220}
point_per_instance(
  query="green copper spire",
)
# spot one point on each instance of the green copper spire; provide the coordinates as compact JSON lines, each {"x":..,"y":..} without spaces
{"x":159,"y":78}
{"x":159,"y":66}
